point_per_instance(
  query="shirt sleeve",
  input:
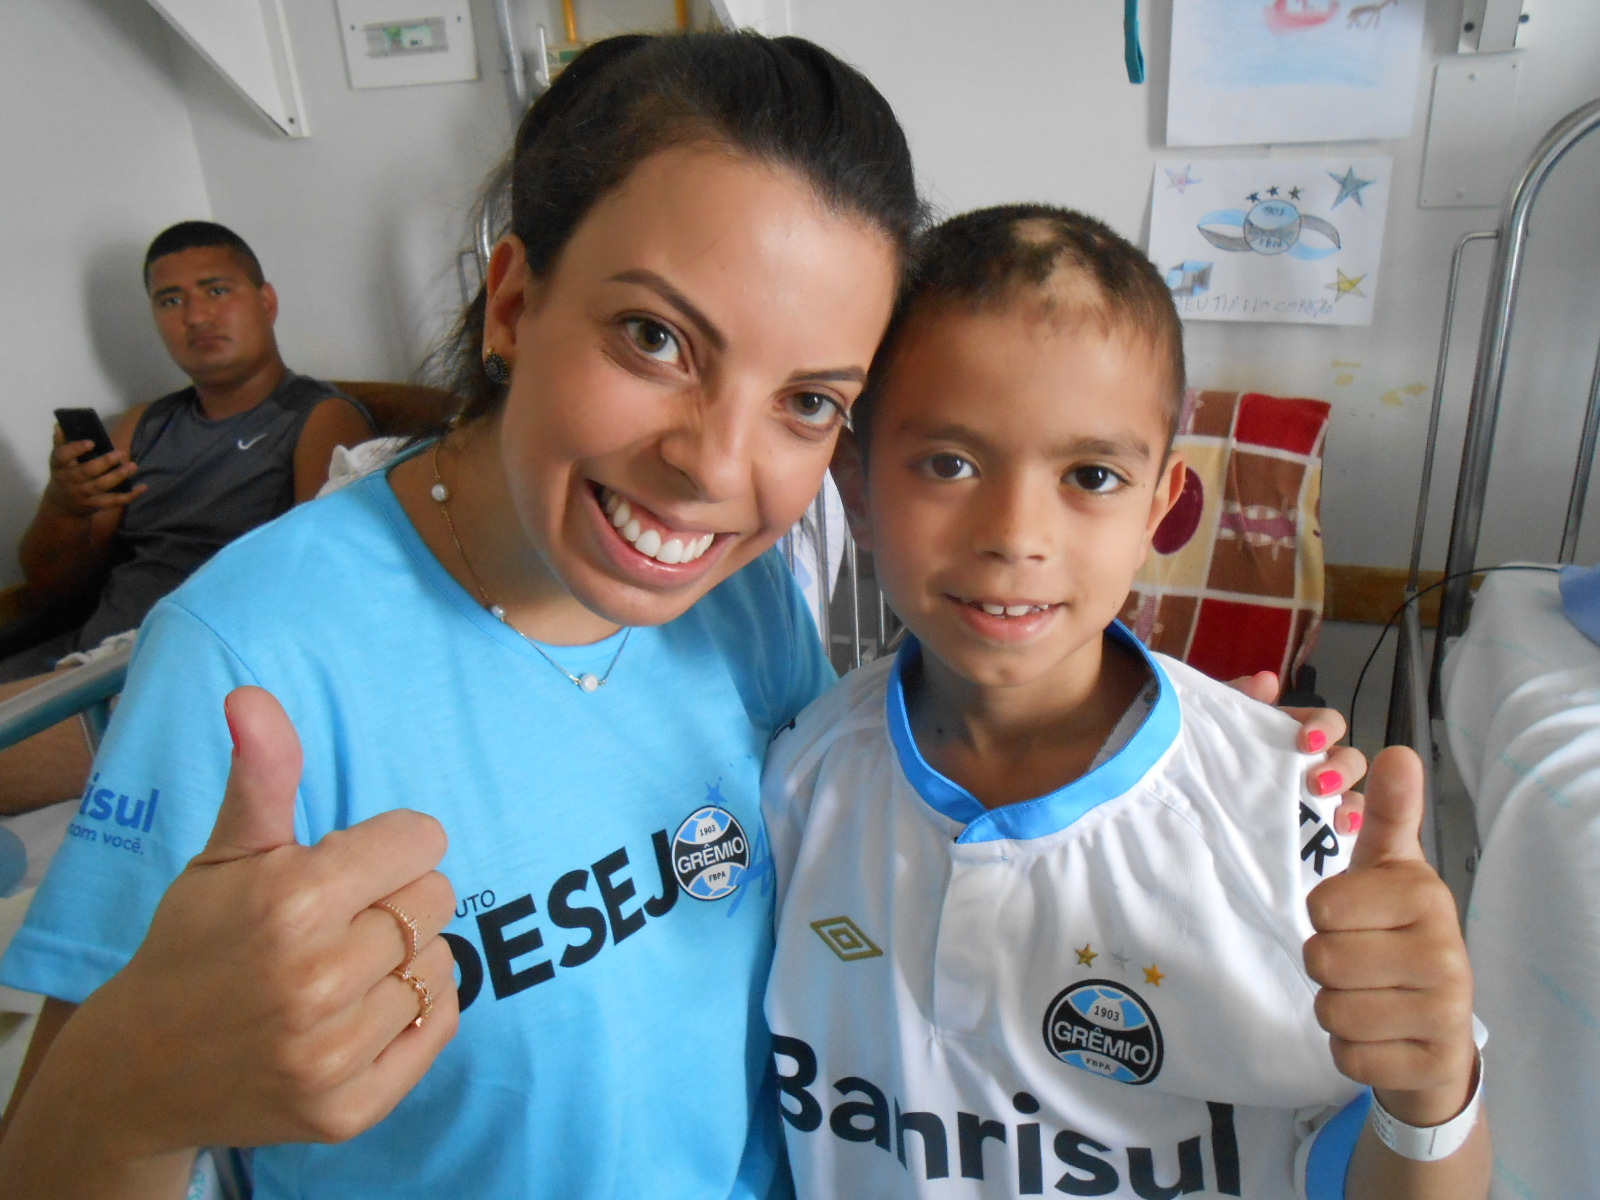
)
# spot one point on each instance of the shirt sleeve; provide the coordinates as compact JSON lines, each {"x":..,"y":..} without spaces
{"x":151,"y":800}
{"x":1329,"y":1139}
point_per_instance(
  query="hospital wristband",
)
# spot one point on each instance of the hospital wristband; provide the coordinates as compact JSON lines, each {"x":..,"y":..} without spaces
{"x":1430,"y":1143}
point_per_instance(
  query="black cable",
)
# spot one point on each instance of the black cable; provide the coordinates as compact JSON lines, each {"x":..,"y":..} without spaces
{"x":1389,"y":624}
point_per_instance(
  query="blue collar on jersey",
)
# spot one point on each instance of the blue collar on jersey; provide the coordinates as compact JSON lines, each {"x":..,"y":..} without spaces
{"x":1044,"y":814}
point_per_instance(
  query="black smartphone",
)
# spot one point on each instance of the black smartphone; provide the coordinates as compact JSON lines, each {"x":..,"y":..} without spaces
{"x":85,"y":425}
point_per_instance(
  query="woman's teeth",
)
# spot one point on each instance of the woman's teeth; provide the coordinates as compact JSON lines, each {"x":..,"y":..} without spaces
{"x":648,"y":541}
{"x":1009,"y":610}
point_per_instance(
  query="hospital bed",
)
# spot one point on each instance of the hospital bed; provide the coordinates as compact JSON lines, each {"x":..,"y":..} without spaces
{"x":1508,"y":703}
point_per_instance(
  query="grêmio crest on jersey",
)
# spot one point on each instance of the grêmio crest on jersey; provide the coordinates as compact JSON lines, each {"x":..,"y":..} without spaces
{"x":1105,"y":1028}
{"x":710,"y":853}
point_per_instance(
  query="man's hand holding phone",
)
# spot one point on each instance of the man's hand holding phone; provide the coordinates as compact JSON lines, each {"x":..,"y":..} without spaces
{"x":88,"y":474}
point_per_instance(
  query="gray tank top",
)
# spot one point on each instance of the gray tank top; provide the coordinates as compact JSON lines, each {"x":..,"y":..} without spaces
{"x":209,"y":481}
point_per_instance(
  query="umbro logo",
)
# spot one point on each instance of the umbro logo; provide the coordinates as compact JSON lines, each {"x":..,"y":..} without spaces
{"x":844,"y":937}
{"x":244,"y":445}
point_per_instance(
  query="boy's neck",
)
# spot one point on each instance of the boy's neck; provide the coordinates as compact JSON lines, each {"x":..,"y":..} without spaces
{"x":1006,"y":745}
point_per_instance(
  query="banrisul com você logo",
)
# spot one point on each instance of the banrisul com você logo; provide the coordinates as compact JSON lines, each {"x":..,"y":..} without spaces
{"x":1104,"y":1028}
{"x":710,"y":853}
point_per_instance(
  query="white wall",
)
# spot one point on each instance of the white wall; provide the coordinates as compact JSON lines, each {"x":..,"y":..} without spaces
{"x":1029,"y":100}
{"x":98,"y":155}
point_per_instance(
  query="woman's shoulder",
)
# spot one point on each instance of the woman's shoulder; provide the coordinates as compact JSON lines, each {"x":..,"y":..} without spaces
{"x":331,"y":545}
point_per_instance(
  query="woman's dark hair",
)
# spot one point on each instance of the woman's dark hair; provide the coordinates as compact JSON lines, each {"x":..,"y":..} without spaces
{"x":783,"y":101}
{"x":992,"y":258}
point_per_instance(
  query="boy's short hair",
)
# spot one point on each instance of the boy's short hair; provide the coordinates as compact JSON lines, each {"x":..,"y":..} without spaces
{"x":203,"y":235}
{"x":1075,"y":267}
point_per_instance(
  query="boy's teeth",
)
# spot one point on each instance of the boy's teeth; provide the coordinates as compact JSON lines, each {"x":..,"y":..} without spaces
{"x":994,"y":610}
{"x":1018,"y":610}
{"x":648,"y":541}
{"x":1008,"y":610}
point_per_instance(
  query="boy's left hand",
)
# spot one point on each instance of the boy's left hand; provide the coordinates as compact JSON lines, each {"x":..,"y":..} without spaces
{"x":1396,"y":985}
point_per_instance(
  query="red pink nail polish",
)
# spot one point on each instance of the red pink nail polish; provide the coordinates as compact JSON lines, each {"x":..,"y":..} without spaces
{"x":1329,"y":782}
{"x":1316,"y":739}
{"x":1355,"y":819}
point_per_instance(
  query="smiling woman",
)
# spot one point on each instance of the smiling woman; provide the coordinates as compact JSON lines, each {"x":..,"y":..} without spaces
{"x":555,"y":633}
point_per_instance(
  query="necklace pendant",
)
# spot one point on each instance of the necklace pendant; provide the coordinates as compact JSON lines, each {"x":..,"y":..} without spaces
{"x":498,"y":613}
{"x":439,"y":492}
{"x":590,"y":683}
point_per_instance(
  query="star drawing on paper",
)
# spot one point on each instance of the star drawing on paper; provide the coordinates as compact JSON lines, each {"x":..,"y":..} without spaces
{"x":1087,"y":955}
{"x":1294,"y":193}
{"x":1345,"y":285}
{"x":1350,"y":185}
{"x":1153,"y":975}
{"x":1181,"y":179}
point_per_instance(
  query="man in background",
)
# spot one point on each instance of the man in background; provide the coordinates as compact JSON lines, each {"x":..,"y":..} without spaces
{"x":244,"y":442}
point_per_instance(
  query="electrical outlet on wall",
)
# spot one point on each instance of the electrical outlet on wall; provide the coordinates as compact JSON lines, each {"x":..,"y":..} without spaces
{"x":396,"y":44}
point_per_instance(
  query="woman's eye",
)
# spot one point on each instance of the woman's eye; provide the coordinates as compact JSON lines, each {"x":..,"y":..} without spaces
{"x":653,"y":339}
{"x":816,"y":410}
{"x":1095,"y":479}
{"x":949,"y":466}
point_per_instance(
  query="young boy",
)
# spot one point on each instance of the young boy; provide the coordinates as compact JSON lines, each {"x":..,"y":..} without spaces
{"x":1043,"y":895}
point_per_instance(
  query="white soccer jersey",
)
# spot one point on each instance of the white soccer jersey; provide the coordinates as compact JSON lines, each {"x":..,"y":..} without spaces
{"x":1099,"y":992}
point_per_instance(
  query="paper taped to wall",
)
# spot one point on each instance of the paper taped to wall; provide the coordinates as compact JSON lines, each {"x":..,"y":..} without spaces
{"x":1248,"y":71}
{"x":1295,"y":240}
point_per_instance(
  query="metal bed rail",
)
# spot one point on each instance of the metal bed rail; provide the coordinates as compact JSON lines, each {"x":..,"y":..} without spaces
{"x":1414,"y":699}
{"x":853,"y":619}
{"x":84,"y":691}
{"x":1490,"y":379}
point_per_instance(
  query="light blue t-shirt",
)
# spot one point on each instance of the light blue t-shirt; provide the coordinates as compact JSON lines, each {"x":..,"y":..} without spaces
{"x":614,"y":918}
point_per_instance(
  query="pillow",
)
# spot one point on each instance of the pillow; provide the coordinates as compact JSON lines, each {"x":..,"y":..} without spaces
{"x":1233,"y":583}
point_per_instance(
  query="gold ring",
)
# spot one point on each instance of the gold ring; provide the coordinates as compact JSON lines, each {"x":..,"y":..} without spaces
{"x":412,"y":934}
{"x":424,"y":996}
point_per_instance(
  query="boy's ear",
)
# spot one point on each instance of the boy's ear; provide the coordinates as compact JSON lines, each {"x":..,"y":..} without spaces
{"x":507,"y":287}
{"x":849,"y":470}
{"x":1168,"y":488}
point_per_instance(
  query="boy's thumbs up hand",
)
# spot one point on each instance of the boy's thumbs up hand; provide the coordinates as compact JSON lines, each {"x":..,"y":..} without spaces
{"x":1396,"y":986}
{"x":1391,"y":831}
{"x":263,"y":998}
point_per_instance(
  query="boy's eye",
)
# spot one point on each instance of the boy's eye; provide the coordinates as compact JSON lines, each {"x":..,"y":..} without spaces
{"x":817,"y":410}
{"x":1095,"y":479}
{"x":653,"y":339}
{"x":949,"y":466}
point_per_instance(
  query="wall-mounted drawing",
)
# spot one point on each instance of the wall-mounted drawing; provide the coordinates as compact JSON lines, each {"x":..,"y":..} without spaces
{"x":1265,"y":71}
{"x":1295,"y":240}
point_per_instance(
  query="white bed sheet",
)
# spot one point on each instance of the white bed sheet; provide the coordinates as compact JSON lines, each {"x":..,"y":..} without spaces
{"x":1522,"y":711}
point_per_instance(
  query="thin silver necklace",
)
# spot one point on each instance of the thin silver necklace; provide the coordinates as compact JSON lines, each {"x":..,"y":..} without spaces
{"x":587,"y":682}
